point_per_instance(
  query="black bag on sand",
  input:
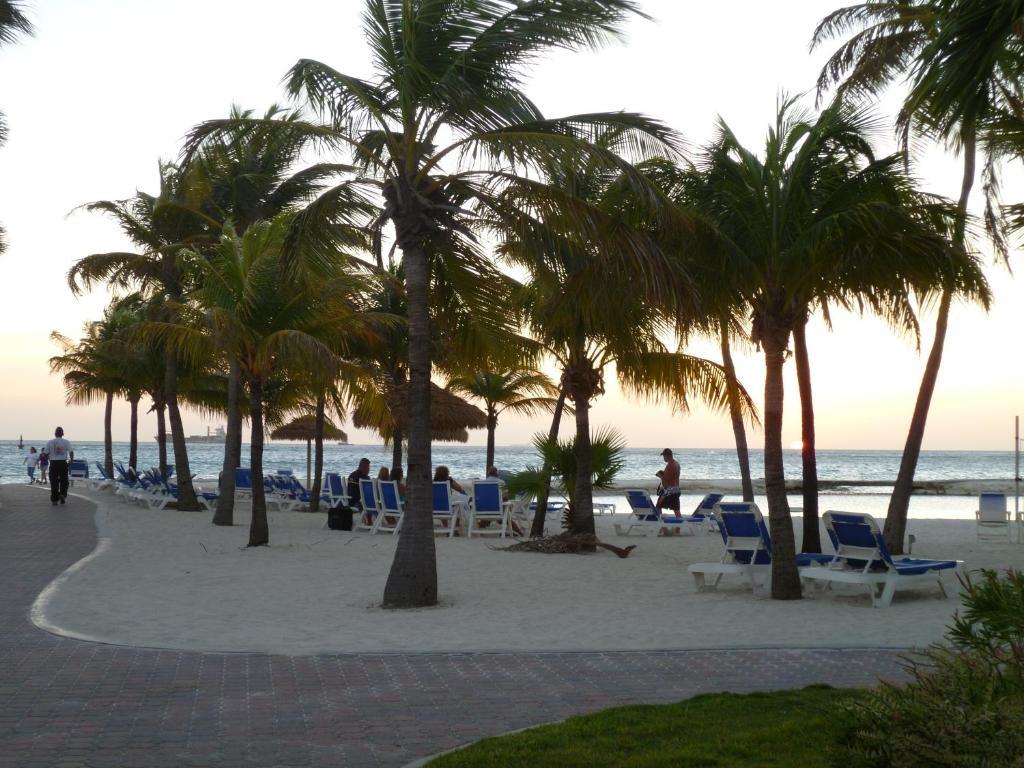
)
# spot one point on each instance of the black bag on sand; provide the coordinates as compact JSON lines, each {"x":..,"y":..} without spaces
{"x":340,"y":518}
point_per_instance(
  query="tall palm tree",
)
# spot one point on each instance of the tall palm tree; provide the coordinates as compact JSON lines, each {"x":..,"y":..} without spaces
{"x":275,"y":321}
{"x":161,"y":226}
{"x":523,"y":391}
{"x":13,"y":24}
{"x":443,"y":123}
{"x":962,"y":60}
{"x":817,"y":221}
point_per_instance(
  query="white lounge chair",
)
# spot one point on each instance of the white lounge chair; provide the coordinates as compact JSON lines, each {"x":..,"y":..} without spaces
{"x":370,"y":504}
{"x":446,"y":515}
{"x":747,"y":548}
{"x":862,"y":557}
{"x":486,"y":505}
{"x":646,"y":518}
{"x":391,"y":513}
{"x":993,"y":516}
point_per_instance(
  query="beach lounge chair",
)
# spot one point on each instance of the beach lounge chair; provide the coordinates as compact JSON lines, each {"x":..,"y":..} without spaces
{"x":370,"y":505}
{"x":101,"y":480}
{"x":862,"y":557}
{"x":78,"y":469}
{"x":391,"y":513}
{"x":334,"y":489}
{"x":706,"y":509}
{"x":243,"y":482}
{"x":487,"y":505}
{"x":747,"y":548}
{"x":446,"y":514}
{"x":647,"y":518}
{"x":992,"y":516}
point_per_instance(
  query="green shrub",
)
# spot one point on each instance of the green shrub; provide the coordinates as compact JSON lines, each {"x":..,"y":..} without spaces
{"x":964,"y":705}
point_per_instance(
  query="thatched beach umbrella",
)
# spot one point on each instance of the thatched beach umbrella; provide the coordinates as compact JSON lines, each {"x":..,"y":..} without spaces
{"x":304,"y":428}
{"x":450,"y":415}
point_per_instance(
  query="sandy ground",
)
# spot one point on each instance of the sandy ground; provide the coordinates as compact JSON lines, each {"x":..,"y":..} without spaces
{"x":169,"y":579}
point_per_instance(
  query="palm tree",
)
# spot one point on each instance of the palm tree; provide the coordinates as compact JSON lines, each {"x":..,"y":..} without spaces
{"x":13,"y":23}
{"x":522,"y":391}
{"x":962,"y":59}
{"x":275,"y":321}
{"x":818,"y":221}
{"x":443,"y":124}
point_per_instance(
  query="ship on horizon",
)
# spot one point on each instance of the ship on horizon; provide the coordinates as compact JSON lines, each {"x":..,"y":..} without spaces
{"x":217,"y":436}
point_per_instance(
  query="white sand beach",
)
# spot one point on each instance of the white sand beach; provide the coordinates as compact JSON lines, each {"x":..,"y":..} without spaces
{"x":168,"y":579}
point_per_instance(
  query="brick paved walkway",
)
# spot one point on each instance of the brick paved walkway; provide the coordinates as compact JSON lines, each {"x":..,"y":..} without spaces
{"x":70,"y":703}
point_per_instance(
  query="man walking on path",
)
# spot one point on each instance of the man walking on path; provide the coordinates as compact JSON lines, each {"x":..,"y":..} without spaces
{"x":60,"y":453}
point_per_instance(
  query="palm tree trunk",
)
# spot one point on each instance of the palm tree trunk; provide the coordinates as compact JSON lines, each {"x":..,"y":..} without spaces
{"x":318,"y":455}
{"x":225,"y":511}
{"x":161,"y":436}
{"x":396,"y":449}
{"x":583,"y":497}
{"x":186,"y":493}
{"x":785,"y":578}
{"x":259,"y":531}
{"x":492,"y":426}
{"x":133,"y":435}
{"x":412,"y":581}
{"x":108,"y":437}
{"x":812,"y":535}
{"x":537,"y":528}
{"x":899,"y":502}
{"x":739,"y":431}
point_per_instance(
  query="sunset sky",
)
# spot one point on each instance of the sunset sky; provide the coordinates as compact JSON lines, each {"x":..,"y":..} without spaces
{"x":107,"y":87}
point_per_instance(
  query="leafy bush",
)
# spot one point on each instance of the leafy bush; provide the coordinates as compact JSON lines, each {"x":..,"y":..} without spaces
{"x":964,"y":706}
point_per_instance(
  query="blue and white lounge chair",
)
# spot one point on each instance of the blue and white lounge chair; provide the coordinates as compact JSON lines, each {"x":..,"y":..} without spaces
{"x":334,"y":489}
{"x":862,"y":557}
{"x":992,"y":516}
{"x":391,"y":512}
{"x":486,"y":504}
{"x":370,"y":504}
{"x":243,"y":482}
{"x":446,"y":516}
{"x":706,"y":509}
{"x":747,"y":548}
{"x":647,"y":518}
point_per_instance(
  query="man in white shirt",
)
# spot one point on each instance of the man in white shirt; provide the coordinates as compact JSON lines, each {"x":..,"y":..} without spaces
{"x":60,"y":452}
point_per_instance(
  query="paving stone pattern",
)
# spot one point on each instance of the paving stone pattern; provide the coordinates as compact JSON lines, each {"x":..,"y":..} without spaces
{"x":70,"y":703}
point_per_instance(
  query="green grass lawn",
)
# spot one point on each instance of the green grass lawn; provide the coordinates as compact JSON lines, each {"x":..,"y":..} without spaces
{"x":785,"y":728}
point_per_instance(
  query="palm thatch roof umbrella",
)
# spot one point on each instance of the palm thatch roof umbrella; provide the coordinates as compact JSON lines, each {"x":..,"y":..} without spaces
{"x":304,"y":428}
{"x":450,"y":415}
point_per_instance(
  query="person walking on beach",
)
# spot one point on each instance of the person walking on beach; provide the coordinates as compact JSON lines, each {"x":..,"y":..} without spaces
{"x":31,"y":459}
{"x":60,"y":452}
{"x":669,"y":498}
{"x":44,"y":465}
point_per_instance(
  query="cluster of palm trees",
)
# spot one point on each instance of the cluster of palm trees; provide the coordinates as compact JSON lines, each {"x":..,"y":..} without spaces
{"x":264,"y":286}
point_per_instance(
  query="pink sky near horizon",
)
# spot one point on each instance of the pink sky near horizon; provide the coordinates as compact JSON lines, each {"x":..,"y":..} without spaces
{"x":104,"y":89}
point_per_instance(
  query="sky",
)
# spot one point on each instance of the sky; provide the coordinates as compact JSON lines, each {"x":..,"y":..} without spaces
{"x":105,"y":88}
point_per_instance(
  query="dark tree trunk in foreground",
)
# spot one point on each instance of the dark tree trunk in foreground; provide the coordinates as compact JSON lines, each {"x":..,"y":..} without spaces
{"x":812,"y":534}
{"x":537,"y":528}
{"x":108,"y":437}
{"x":161,"y":437}
{"x":396,"y":449}
{"x":224,"y":514}
{"x":739,"y":430}
{"x":133,"y":432}
{"x":318,"y":453}
{"x":899,"y":502}
{"x":259,"y":530}
{"x":492,"y":426}
{"x":785,"y":578}
{"x":186,"y":493}
{"x":582,"y":390}
{"x":412,"y":581}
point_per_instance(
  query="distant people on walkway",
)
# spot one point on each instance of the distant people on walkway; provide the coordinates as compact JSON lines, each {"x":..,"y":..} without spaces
{"x":442,"y":475}
{"x":31,"y":459}
{"x":60,"y":452}
{"x":669,"y":498}
{"x":362,"y":473}
{"x":44,"y":466}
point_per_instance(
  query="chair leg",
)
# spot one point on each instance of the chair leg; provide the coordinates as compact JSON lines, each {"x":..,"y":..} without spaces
{"x":885,"y":599}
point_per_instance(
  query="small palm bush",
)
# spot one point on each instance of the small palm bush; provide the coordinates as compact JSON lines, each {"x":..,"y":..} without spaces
{"x":965,"y":704}
{"x":607,"y":460}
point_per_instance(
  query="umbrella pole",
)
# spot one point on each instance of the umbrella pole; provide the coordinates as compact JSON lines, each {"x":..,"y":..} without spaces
{"x":309,"y":464}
